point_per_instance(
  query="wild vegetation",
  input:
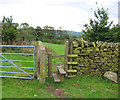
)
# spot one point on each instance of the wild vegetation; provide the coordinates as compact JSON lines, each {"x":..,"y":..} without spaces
{"x":82,"y":86}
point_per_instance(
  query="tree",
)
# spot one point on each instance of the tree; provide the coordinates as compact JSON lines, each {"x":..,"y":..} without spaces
{"x":27,"y":32}
{"x":9,"y":29}
{"x":49,"y":32}
{"x":115,"y":33}
{"x":60,"y":32}
{"x":24,"y":25}
{"x":39,"y":33}
{"x":98,"y":29}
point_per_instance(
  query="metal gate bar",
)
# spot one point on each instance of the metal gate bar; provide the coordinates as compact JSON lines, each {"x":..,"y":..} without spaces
{"x":15,"y":66}
{"x":19,"y":67}
{"x":17,"y":46}
{"x":17,"y":77}
{"x":16,"y":60}
{"x":14,"y":72}
{"x":17,"y":53}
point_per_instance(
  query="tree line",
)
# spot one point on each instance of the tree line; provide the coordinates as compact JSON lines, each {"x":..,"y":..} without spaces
{"x":23,"y":32}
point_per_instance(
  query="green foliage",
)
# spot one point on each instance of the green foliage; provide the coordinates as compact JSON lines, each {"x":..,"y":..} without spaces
{"x":49,"y":32}
{"x":13,"y":32}
{"x":115,"y":34}
{"x":26,"y":32}
{"x":99,"y":28}
{"x":9,"y":29}
{"x":39,"y":33}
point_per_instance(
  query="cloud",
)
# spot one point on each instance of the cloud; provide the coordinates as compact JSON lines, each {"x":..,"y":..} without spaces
{"x":7,"y":2}
{"x":69,"y":14}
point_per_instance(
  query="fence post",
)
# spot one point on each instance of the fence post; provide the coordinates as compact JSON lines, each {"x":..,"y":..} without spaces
{"x":71,"y":51}
{"x":38,"y":60}
{"x":66,"y":54}
{"x":49,"y":65}
{"x":41,"y":75}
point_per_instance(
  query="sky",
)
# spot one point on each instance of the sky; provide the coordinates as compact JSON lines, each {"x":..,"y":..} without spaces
{"x":68,"y":14}
{"x":119,"y":13}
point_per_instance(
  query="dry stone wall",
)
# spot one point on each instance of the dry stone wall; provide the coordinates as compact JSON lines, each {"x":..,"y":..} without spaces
{"x":93,"y":58}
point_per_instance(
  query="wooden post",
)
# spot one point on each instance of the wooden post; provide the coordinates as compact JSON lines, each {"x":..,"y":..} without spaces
{"x":41,"y":75}
{"x":49,"y":65}
{"x":71,"y":51}
{"x":38,"y":60}
{"x":66,"y":54}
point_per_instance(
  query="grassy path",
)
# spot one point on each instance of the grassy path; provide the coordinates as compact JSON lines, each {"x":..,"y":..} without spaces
{"x":79,"y":87}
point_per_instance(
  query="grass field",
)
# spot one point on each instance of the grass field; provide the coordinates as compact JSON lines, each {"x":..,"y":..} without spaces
{"x":59,"y":49}
{"x":78,"y":87}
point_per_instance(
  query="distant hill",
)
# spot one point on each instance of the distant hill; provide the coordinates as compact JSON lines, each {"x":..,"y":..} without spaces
{"x":73,"y":33}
